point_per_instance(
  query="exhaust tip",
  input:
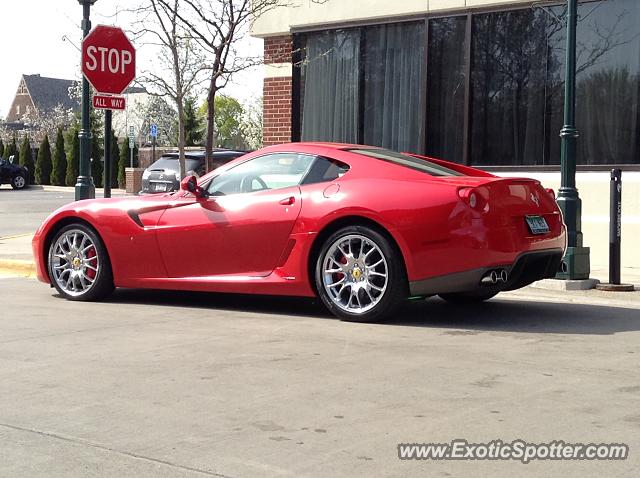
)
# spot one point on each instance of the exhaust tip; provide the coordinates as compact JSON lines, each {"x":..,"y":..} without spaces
{"x":504,"y":275}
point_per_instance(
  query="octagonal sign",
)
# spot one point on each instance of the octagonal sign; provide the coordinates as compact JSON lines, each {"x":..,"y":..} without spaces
{"x":108,"y":59}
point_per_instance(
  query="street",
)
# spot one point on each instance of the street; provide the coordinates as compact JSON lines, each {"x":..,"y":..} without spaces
{"x":23,"y":211}
{"x":155,"y":383}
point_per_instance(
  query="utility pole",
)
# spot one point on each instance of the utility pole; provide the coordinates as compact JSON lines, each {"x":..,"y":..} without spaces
{"x":85,"y":188}
{"x":576,"y":258}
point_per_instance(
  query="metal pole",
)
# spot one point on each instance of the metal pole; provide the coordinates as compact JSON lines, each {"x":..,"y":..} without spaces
{"x":577,"y":257}
{"x":615,"y":226}
{"x":107,"y":153}
{"x":85,"y":188}
{"x":131,"y":148}
{"x":153,"y":149}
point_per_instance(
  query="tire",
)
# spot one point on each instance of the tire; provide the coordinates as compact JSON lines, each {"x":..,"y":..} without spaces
{"x":84,"y":272}
{"x":474,"y":297}
{"x":19,"y":181}
{"x":372,"y":270}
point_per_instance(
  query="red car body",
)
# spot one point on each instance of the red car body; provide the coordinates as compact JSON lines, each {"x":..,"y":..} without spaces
{"x":264,"y":242}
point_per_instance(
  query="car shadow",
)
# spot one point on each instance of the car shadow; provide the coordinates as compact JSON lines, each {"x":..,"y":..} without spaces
{"x":497,"y":315}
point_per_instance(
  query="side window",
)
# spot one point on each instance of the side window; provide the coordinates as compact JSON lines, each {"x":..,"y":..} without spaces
{"x":272,"y":171}
{"x":325,"y":170}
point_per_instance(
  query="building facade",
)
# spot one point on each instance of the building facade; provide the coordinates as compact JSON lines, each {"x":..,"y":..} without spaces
{"x":478,"y":82}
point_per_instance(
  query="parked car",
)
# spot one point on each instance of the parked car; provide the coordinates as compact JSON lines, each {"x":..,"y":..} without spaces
{"x":14,"y":174}
{"x":361,"y":227}
{"x":163,"y":175}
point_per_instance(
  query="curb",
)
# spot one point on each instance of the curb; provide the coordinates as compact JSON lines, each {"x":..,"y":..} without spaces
{"x":16,"y":267}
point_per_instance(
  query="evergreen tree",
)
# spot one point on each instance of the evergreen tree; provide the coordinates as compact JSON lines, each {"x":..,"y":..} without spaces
{"x":73,"y":156}
{"x":26,"y":158}
{"x":43,"y":164}
{"x":115,"y":159}
{"x":1,"y":149}
{"x":59,"y":163}
{"x":125,"y":161}
{"x":193,"y":132}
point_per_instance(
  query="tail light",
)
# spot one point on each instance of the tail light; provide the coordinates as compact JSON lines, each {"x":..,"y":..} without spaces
{"x":474,"y":199}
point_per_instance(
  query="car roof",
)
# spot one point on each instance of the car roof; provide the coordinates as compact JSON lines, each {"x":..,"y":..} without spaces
{"x":200,"y":153}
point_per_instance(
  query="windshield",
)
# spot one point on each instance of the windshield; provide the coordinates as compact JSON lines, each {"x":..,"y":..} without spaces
{"x":408,"y":161}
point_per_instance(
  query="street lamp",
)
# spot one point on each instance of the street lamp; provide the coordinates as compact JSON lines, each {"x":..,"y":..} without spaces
{"x":576,"y":258}
{"x":85,"y":188}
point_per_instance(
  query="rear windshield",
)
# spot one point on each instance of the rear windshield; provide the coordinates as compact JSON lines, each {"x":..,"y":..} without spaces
{"x":171,"y":163}
{"x":408,"y":161}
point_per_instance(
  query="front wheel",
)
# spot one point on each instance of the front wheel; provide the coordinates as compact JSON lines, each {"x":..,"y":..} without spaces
{"x":360,"y":275}
{"x":79,"y":266}
{"x":19,"y":181}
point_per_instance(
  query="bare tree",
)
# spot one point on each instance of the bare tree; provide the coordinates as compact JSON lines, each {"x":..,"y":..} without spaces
{"x":218,"y":25}
{"x":159,"y":25}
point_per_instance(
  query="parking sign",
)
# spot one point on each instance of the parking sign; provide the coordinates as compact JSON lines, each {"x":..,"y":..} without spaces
{"x":154,"y":130}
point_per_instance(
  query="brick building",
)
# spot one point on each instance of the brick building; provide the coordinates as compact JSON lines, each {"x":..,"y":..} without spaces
{"x":478,"y":82}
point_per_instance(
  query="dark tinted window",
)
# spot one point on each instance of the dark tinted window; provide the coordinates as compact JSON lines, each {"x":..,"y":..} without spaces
{"x":324,"y":170}
{"x":393,"y":79}
{"x":407,"y":161}
{"x":446,"y":88}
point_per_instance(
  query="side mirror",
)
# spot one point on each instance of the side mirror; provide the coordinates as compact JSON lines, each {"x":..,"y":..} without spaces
{"x":190,"y":184}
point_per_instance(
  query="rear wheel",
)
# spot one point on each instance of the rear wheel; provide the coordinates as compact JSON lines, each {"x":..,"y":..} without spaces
{"x":474,"y":297}
{"x":79,"y":267}
{"x":19,"y":181}
{"x":360,"y":275}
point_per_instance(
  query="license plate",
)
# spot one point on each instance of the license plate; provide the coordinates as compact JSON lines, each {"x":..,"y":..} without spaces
{"x":159,"y":187}
{"x":537,"y":224}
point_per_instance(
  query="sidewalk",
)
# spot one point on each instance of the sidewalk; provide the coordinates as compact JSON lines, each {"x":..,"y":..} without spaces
{"x":115,"y":192}
{"x":16,"y":259}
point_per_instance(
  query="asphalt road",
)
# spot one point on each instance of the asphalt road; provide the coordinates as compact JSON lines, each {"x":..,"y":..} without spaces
{"x":23,"y":211}
{"x":185,"y":385}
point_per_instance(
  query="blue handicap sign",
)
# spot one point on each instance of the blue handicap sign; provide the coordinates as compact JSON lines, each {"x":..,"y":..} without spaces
{"x":154,"y":130}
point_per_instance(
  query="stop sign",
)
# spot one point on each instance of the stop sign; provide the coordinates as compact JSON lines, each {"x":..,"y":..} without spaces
{"x":108,"y":59}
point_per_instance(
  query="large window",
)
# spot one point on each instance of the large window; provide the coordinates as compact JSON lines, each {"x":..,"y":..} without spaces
{"x":364,"y":85}
{"x":446,"y":88}
{"x":330,"y":97}
{"x":393,"y":85}
{"x":483,"y":88}
{"x":508,"y":79}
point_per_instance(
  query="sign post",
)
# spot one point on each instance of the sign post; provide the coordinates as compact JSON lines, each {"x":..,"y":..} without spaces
{"x":154,"y":135}
{"x":132,"y":143}
{"x":107,"y":153}
{"x":109,"y":65}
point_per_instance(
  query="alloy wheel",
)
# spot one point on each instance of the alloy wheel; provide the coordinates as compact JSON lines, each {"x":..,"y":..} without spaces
{"x":75,"y":262}
{"x":355,"y":273}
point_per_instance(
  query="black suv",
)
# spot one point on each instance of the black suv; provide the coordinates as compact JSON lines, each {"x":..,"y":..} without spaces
{"x":17,"y":176}
{"x":163,"y":175}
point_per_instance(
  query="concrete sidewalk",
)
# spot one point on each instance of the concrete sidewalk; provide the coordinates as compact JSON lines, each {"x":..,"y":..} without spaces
{"x":16,"y":259}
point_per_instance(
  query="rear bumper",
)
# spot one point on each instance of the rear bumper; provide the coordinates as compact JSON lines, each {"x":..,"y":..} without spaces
{"x":148,"y":186}
{"x":527,"y":268}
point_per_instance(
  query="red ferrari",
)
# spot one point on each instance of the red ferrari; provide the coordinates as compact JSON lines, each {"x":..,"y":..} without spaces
{"x":361,"y":227}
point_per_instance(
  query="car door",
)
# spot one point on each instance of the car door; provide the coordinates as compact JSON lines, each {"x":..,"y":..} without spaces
{"x":242,"y":227}
{"x":4,"y":172}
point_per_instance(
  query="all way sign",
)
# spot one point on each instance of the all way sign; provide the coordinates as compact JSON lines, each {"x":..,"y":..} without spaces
{"x":108,"y":102}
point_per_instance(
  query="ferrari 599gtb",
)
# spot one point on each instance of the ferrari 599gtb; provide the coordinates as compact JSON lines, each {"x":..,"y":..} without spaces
{"x":361,"y":227}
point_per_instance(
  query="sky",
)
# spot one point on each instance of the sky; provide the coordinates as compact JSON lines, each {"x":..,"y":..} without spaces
{"x":45,"y":44}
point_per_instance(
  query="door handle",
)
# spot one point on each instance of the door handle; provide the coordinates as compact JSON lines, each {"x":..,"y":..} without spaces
{"x":288,"y":201}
